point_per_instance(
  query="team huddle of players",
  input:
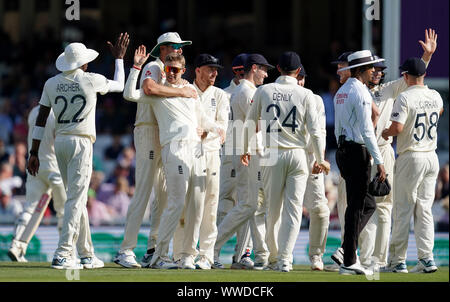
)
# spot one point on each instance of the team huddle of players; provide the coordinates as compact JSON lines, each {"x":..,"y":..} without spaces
{"x":243,"y":160}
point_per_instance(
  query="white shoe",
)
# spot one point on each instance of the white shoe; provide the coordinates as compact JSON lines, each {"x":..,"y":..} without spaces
{"x":126,"y":259}
{"x":424,"y":266}
{"x":164,"y":264}
{"x":202,"y":263}
{"x":22,"y":259}
{"x":14,"y":253}
{"x":354,"y":269}
{"x":284,"y":267}
{"x":316,"y":263}
{"x":65,"y":263}
{"x":259,"y":266}
{"x":338,"y":256}
{"x":188,"y":263}
{"x":398,"y":268}
{"x":91,"y":262}
{"x":244,"y":263}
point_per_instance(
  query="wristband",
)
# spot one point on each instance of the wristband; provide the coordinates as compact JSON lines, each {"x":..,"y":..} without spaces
{"x":38,"y":133}
{"x":135,"y":67}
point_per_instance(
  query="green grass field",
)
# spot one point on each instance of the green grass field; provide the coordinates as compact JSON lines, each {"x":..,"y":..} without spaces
{"x":42,"y":272}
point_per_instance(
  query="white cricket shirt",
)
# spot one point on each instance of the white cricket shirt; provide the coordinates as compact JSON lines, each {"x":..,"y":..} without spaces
{"x":144,"y":112}
{"x":321,"y":120}
{"x":73,"y":97}
{"x":353,"y":110}
{"x":418,"y":109}
{"x":384,"y":96}
{"x":216,"y":105}
{"x":288,"y":112}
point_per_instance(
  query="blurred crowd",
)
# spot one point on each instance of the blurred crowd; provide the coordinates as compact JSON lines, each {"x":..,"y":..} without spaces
{"x":24,"y":68}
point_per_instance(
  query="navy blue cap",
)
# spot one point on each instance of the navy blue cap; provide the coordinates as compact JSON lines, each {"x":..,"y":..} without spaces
{"x":343,"y":58}
{"x":239,"y":61}
{"x":256,"y":58}
{"x":379,"y":64}
{"x":205,"y":59}
{"x":414,"y":66}
{"x":302,"y":72}
{"x":289,"y":61}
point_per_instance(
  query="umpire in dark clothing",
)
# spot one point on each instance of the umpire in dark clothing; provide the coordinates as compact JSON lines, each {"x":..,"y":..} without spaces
{"x":356,"y":145}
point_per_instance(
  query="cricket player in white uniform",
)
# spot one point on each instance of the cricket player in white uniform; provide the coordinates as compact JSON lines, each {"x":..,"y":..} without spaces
{"x":374,"y":238}
{"x":414,"y":117}
{"x":287,"y":112}
{"x":216,"y":104}
{"x":183,"y":159}
{"x":247,"y":192}
{"x":227,"y":195}
{"x":48,"y":181}
{"x":315,"y":200}
{"x":72,"y":95}
{"x":149,"y":172}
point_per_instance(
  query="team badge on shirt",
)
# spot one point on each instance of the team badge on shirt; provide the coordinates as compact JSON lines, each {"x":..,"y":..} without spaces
{"x":148,"y":73}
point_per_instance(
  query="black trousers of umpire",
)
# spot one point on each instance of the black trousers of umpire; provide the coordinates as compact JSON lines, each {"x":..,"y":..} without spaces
{"x":353,"y":161}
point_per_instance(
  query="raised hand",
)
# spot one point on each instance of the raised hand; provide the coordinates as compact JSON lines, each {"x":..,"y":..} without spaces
{"x":430,"y":44}
{"x":140,"y":56}
{"x":121,"y":46}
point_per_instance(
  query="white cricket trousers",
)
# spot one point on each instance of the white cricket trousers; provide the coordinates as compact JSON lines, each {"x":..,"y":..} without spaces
{"x":185,"y":171}
{"x":415,"y":175}
{"x":316,"y":203}
{"x":228,"y":199}
{"x":205,"y":216}
{"x":241,"y":214}
{"x":284,"y":188}
{"x":148,"y":157}
{"x":45,"y":181}
{"x":74,"y":156}
{"x":341,"y":204}
{"x":374,"y":238}
{"x":157,"y":205}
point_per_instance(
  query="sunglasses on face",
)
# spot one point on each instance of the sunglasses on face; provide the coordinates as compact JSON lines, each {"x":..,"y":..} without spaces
{"x":169,"y":69}
{"x":175,"y":46}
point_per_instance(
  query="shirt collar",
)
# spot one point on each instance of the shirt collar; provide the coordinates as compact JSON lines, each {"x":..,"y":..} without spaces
{"x":160,"y":63}
{"x":72,"y":73}
{"x":248,"y":83}
{"x":286,"y":80}
{"x":417,"y":87}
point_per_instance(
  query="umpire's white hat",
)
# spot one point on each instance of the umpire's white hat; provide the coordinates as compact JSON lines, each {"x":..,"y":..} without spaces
{"x":360,"y":58}
{"x":74,"y":56}
{"x":168,"y":38}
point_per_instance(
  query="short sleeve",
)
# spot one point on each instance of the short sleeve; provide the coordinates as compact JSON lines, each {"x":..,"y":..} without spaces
{"x":99,"y":83}
{"x":45,"y":100}
{"x":151,"y":71}
{"x":400,"y":110}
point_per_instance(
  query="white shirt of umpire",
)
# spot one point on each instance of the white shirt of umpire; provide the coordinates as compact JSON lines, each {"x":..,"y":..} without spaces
{"x":73,"y":97}
{"x":286,"y":97}
{"x":416,"y":169}
{"x":352,"y":107}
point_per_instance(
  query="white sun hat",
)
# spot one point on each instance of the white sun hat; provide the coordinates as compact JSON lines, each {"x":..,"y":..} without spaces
{"x":360,"y":58}
{"x":168,"y":38}
{"x":74,"y":56}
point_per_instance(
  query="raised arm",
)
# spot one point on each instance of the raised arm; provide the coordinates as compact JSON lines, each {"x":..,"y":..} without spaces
{"x":429,"y":46}
{"x":130,"y":92}
{"x":118,"y":50}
